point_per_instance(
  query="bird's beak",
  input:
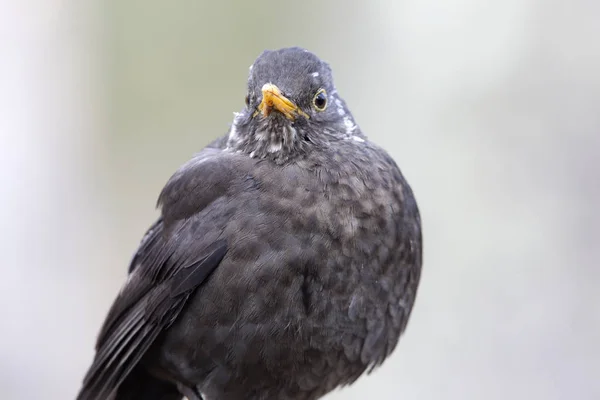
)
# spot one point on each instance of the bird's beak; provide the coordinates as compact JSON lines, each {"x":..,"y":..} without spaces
{"x":272,"y":98}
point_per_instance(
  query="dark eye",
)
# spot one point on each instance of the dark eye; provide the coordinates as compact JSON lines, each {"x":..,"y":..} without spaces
{"x":247,"y":100}
{"x":320,"y":100}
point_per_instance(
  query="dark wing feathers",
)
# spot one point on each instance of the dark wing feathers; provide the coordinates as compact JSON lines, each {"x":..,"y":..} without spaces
{"x":191,"y":276}
{"x":150,"y":253}
{"x":147,"y":242}
{"x":118,"y":355}
{"x":168,"y":266}
{"x":143,"y":310}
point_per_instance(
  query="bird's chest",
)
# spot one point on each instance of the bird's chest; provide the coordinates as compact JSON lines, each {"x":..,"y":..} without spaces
{"x":338,"y":236}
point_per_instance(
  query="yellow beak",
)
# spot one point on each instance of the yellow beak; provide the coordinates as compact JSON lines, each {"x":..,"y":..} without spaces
{"x":272,"y":98}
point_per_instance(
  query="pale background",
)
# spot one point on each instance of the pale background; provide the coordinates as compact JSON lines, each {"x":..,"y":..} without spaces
{"x":491,"y":108}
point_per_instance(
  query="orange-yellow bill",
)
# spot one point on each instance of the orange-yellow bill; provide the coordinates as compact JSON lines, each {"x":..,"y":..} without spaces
{"x":273,"y":99}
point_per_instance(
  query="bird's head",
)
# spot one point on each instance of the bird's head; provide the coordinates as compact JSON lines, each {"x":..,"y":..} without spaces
{"x":291,"y":105}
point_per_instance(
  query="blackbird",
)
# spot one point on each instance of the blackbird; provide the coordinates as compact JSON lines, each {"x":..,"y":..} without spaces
{"x":285,"y":262}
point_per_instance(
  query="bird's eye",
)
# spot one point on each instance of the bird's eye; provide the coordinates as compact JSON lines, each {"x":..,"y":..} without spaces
{"x":247,"y":100}
{"x":320,"y":100}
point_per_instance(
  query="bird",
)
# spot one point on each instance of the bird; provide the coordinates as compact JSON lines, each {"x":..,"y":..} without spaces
{"x":284,"y":264}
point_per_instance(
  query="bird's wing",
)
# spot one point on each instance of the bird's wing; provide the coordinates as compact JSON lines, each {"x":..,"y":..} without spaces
{"x":174,"y":258}
{"x":149,"y":302}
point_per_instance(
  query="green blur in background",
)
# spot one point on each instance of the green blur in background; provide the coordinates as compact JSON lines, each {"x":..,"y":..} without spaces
{"x":491,"y":109}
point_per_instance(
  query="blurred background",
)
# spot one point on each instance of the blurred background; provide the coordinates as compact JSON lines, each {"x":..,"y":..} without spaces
{"x":492,"y":110}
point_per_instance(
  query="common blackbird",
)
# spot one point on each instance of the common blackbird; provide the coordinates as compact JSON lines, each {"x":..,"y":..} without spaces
{"x":285,"y":262}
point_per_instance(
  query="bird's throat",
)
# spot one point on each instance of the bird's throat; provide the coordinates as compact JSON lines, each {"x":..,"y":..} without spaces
{"x":273,"y":137}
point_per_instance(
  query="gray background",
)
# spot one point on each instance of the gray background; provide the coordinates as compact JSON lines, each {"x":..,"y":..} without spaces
{"x":490,"y":108}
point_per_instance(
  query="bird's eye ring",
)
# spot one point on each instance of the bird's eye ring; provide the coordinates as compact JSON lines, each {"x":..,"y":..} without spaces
{"x":320,"y":100}
{"x":247,"y":100}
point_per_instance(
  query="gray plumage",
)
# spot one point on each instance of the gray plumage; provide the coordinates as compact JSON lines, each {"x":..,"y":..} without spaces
{"x":285,"y":262}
